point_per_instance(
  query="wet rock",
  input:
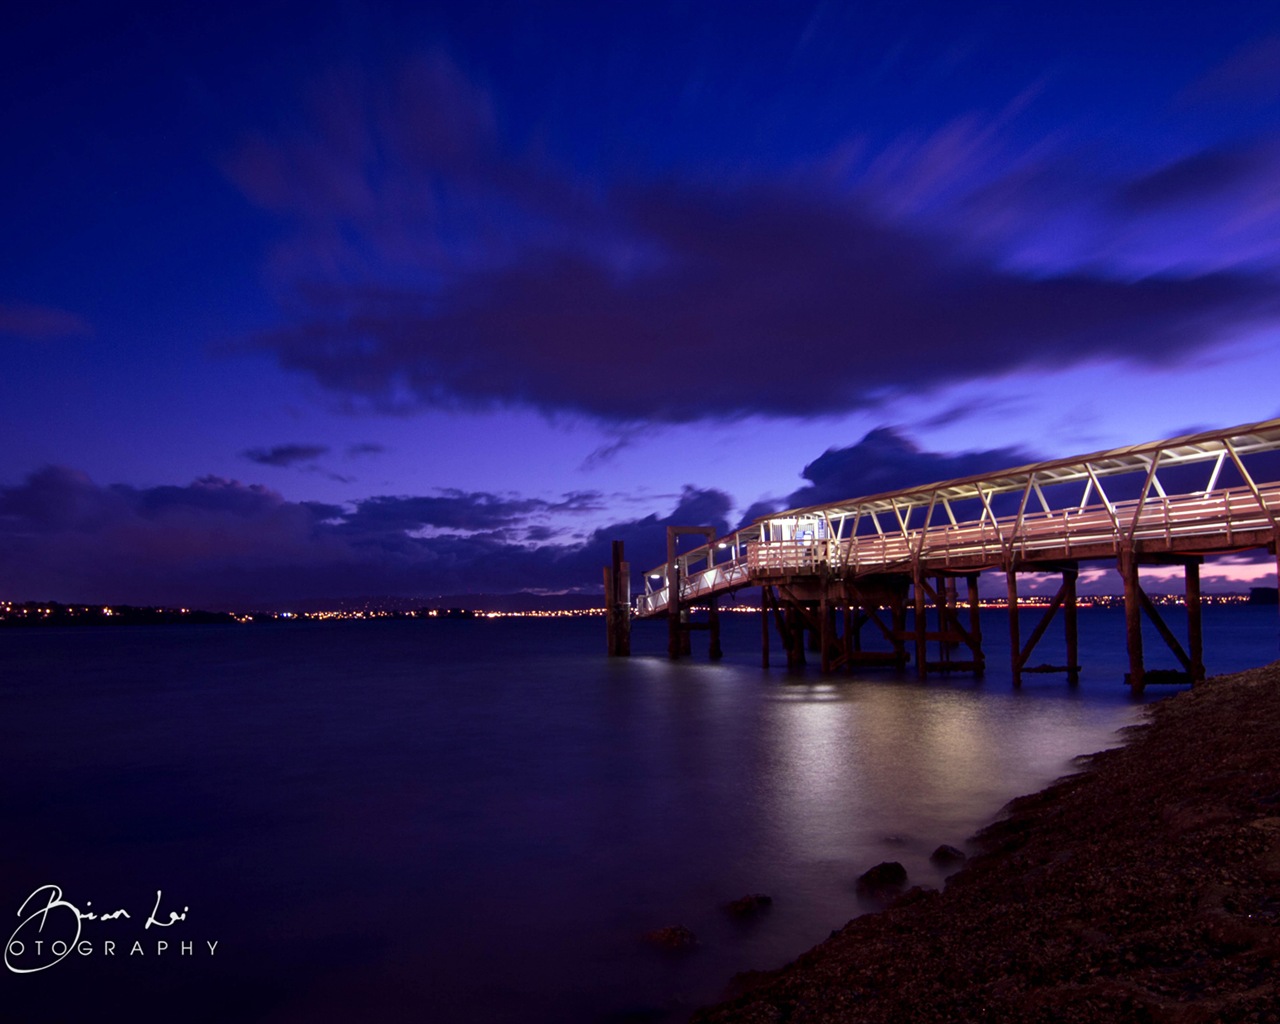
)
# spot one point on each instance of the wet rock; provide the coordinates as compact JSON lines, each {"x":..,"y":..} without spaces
{"x":883,"y":880}
{"x":750,"y":906}
{"x":673,"y":937}
{"x":947,"y":856}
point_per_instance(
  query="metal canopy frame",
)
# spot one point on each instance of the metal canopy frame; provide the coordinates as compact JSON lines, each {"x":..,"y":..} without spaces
{"x":1219,"y":445}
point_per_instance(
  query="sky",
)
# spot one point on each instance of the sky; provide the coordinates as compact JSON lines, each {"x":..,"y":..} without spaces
{"x":302,"y":302}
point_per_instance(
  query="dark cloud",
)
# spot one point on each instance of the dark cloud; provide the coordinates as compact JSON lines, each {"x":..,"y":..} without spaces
{"x":886,"y":460}
{"x":285,"y":454}
{"x":212,"y":494}
{"x":759,"y":509}
{"x":766,"y":301}
{"x":40,"y":323}
{"x":220,"y":543}
{"x":356,"y":451}
{"x":1194,"y":179}
{"x":58,"y":498}
{"x":645,"y":539}
{"x":458,"y":510}
{"x":439,"y":268}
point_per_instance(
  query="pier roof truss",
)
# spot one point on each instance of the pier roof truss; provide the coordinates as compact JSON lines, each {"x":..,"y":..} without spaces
{"x":1052,"y":511}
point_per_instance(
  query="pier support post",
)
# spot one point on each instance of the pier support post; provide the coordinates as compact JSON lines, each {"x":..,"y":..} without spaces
{"x":617,"y":603}
{"x":765,"y":594}
{"x":674,"y":633}
{"x":950,"y":624}
{"x":1195,"y":638}
{"x":795,"y":637}
{"x":917,"y":585}
{"x":1069,"y":577}
{"x":851,"y":640}
{"x":899,"y":609}
{"x":975,"y":623}
{"x":713,"y":629}
{"x":824,"y":621}
{"x":1015,"y":636}
{"x":1132,"y":617}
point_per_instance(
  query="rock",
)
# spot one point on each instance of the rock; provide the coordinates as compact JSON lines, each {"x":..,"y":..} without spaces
{"x":945,"y":856}
{"x":883,"y":880}
{"x":673,"y":937}
{"x":752,"y":905}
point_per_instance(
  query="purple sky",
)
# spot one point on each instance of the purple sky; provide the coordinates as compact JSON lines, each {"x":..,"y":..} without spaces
{"x":323,"y":300}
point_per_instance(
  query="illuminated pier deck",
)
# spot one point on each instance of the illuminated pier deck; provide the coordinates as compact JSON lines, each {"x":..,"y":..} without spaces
{"x":1163,"y":502}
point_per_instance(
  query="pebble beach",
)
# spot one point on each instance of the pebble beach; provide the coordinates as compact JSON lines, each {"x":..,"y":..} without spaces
{"x":1145,"y":887}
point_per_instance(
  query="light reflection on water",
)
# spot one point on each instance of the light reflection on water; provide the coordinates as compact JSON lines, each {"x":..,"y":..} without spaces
{"x":475,"y":821}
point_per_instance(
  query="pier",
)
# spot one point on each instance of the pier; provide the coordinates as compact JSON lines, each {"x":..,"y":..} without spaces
{"x":892,"y":578}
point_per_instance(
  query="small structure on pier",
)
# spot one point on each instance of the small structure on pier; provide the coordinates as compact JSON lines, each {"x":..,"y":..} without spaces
{"x":827,"y":572}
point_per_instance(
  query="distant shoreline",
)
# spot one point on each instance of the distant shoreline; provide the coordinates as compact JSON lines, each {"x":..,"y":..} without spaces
{"x":1143,"y":888}
{"x":56,"y":613}
{"x":45,"y":614}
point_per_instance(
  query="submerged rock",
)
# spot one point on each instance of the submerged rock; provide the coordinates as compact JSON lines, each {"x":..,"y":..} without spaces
{"x":946,"y":856}
{"x":883,"y":880}
{"x":673,"y":937}
{"x":750,"y":906}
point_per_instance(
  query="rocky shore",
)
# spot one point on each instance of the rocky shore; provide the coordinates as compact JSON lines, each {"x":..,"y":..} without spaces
{"x":1144,"y":888}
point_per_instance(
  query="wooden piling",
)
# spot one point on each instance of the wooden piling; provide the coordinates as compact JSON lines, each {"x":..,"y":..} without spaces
{"x":898,"y":605}
{"x":975,"y":622}
{"x":917,"y":585}
{"x":1195,"y":638}
{"x":674,"y":633}
{"x":795,"y":637}
{"x":1015,"y":636}
{"x":951,"y":625}
{"x":617,"y":603}
{"x":1275,"y":547}
{"x":610,"y":615}
{"x":824,"y":622}
{"x":849,"y":640}
{"x":764,"y":626}
{"x":1132,"y":617}
{"x":1070,"y":625}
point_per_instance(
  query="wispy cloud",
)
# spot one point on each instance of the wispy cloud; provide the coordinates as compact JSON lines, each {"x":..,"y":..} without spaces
{"x":286,"y":454}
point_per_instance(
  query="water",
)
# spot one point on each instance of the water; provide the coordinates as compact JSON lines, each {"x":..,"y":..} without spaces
{"x":476,"y":821}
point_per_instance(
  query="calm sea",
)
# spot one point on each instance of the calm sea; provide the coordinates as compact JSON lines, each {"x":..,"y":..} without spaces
{"x":474,"y":821}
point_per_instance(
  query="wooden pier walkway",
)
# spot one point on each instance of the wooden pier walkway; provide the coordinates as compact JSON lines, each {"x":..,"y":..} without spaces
{"x":827,"y":571}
